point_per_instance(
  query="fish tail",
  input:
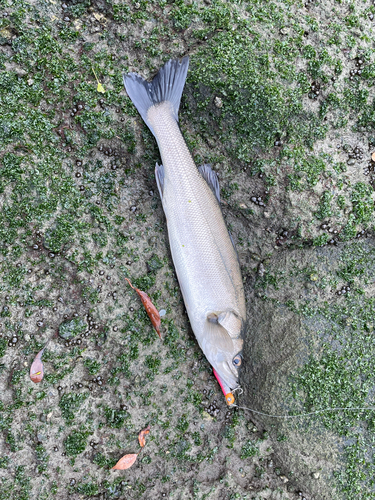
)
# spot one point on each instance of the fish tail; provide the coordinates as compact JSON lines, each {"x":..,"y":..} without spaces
{"x":167,"y":85}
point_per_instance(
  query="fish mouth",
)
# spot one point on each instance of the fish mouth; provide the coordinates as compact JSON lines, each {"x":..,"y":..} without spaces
{"x":229,"y":398}
{"x":226,"y":383}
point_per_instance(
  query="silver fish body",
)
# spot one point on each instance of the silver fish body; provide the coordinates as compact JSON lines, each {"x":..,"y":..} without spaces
{"x":204,"y":257}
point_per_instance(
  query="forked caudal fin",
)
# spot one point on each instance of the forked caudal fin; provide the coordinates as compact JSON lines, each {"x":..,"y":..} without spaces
{"x":167,"y":85}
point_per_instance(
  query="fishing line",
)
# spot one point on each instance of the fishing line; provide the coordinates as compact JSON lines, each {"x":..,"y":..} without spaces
{"x":239,"y":388}
{"x":298,"y":415}
{"x":371,"y":408}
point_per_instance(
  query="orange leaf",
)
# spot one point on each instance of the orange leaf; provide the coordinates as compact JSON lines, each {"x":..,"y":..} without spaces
{"x":142,"y":436}
{"x":151,"y":310}
{"x":126,"y":461}
{"x":36,"y":369}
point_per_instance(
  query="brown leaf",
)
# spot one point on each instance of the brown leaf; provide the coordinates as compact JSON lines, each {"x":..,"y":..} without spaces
{"x":36,"y":368}
{"x":142,"y":436}
{"x":151,"y":310}
{"x":126,"y":461}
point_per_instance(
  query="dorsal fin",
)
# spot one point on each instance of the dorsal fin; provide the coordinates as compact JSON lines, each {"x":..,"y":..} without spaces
{"x":211,"y":178}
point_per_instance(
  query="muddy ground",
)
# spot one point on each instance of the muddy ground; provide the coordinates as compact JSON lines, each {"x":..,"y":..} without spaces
{"x":280,"y":100}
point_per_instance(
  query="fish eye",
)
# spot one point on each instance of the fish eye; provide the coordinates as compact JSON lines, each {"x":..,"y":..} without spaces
{"x":237,"y":360}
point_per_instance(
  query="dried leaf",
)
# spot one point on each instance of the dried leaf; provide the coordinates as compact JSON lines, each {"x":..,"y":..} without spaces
{"x":36,"y":368}
{"x":100,"y":88}
{"x":126,"y":462}
{"x":151,"y":310}
{"x":142,"y":436}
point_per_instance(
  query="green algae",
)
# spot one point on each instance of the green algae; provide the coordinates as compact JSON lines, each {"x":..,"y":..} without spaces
{"x":88,"y":489}
{"x":75,"y":443}
{"x":3,"y":346}
{"x":69,"y":404}
{"x":249,"y":449}
{"x":92,"y":366}
{"x":115,"y":417}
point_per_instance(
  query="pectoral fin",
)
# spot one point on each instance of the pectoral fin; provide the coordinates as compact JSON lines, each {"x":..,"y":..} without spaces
{"x":216,"y":340}
{"x":229,"y":320}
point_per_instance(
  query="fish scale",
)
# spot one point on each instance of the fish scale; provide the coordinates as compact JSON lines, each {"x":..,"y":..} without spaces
{"x":204,"y":257}
{"x":203,"y":254}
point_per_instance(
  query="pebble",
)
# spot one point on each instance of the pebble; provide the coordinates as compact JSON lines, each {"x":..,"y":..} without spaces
{"x":162,"y":312}
{"x":261,"y":270}
{"x":218,"y":102}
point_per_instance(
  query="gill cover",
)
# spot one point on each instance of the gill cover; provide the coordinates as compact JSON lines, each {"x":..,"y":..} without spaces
{"x":221,"y":343}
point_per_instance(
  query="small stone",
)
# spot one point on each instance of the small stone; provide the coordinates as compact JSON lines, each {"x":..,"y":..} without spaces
{"x":218,"y":102}
{"x":261,"y":270}
{"x":315,"y":475}
{"x":162,"y":312}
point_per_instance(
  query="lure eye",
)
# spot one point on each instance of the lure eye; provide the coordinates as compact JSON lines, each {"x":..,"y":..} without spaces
{"x":237,"y":360}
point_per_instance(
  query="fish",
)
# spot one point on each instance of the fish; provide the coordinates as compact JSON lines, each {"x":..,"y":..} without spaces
{"x":202,"y":249}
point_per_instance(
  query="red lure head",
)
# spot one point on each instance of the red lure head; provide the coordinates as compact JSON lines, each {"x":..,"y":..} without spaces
{"x":229,"y":398}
